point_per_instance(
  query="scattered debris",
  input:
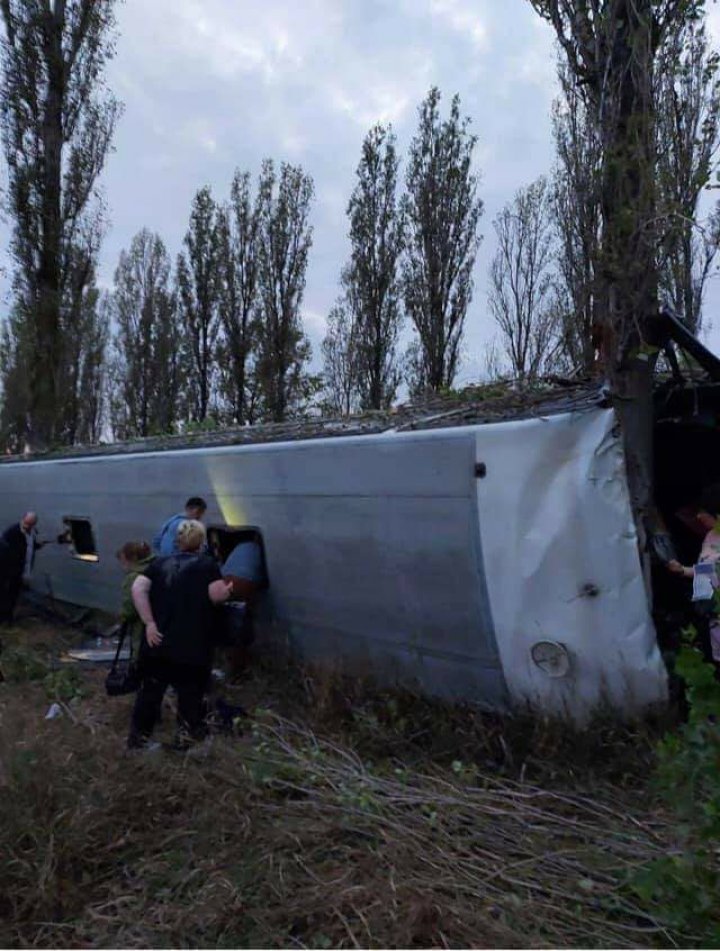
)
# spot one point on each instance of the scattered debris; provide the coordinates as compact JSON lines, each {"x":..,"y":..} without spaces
{"x":93,"y":655}
{"x":54,"y":711}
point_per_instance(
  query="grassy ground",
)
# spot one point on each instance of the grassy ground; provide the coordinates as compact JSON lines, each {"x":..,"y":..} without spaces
{"x":338,"y":817}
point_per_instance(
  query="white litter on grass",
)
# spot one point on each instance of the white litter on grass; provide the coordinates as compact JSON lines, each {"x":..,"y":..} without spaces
{"x":93,"y":655}
{"x":54,"y":712}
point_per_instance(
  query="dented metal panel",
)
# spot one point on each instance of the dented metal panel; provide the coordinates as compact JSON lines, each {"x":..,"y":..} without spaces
{"x":562,"y":565}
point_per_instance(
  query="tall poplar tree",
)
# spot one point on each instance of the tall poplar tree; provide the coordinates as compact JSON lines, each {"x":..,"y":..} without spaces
{"x":443,"y":210}
{"x":611,"y":47}
{"x":238,"y":274}
{"x":57,"y":120}
{"x":145,"y":366}
{"x":285,"y":242}
{"x":371,"y":280}
{"x":199,"y":299}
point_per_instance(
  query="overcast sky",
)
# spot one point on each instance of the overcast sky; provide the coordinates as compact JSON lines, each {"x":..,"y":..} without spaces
{"x":213,"y":85}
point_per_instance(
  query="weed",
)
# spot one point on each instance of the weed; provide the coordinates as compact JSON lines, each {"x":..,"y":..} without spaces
{"x":21,"y":664}
{"x":683,"y":886}
{"x":202,"y":426}
{"x":66,"y":684}
{"x":399,"y":822}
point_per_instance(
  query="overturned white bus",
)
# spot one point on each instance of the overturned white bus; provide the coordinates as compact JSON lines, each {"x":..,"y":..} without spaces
{"x":483,"y":551}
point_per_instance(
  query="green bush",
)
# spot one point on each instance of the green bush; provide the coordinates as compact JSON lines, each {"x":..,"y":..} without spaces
{"x":20,"y":664}
{"x":683,"y":887}
{"x":64,"y":684}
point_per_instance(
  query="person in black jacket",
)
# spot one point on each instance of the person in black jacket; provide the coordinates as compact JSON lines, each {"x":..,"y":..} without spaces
{"x":18,"y":546}
{"x":175,"y":598}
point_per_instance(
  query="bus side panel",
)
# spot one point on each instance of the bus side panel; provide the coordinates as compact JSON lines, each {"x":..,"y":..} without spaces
{"x":372,"y":543}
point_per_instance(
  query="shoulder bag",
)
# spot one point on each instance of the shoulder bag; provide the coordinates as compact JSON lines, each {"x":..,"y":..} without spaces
{"x":123,"y":677}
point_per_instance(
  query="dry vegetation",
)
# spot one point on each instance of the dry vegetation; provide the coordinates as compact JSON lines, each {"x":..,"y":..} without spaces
{"x":337,"y":818}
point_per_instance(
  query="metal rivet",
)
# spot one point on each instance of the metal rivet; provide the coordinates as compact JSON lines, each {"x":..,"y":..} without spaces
{"x":480,"y":470}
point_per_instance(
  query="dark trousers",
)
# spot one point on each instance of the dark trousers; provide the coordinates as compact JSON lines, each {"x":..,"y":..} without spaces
{"x":9,"y":594}
{"x":190,"y":683}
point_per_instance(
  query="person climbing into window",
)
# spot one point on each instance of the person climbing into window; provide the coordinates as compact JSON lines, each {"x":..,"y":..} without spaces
{"x":243,"y":567}
{"x":165,"y":542}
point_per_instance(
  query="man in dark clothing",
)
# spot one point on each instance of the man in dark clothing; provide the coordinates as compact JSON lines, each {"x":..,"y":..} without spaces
{"x":175,"y":598}
{"x":18,"y":545}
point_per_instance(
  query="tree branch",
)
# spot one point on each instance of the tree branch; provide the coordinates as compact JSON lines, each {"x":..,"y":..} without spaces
{"x":9,"y":20}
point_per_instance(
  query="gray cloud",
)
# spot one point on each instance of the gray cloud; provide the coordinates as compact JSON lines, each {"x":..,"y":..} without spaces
{"x":214,"y":85}
{"x":211,"y":85}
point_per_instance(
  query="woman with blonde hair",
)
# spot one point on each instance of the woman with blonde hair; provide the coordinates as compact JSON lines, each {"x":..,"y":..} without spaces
{"x":175,"y":598}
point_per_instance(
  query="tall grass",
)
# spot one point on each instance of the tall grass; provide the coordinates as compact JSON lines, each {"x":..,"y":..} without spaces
{"x":337,"y":819}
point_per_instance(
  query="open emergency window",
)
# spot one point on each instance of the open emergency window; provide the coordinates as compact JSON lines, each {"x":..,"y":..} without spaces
{"x":79,"y":534}
{"x":239,"y":550}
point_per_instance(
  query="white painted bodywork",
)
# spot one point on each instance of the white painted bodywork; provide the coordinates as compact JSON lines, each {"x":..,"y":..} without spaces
{"x":388,"y":555}
{"x":561,"y":563}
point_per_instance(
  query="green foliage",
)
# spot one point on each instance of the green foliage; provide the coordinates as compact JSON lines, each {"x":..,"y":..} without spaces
{"x":145,"y":373}
{"x":58,"y":120}
{"x":197,"y":287}
{"x":238,"y":273}
{"x":24,"y":665}
{"x":285,"y":197}
{"x":66,"y":684}
{"x":207,"y":425}
{"x":703,"y":690}
{"x":441,"y":210}
{"x":371,"y":280}
{"x":682,"y":887}
{"x":19,"y":665}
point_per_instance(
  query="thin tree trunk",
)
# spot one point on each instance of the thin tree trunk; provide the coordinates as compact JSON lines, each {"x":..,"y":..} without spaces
{"x":44,"y":384}
{"x":629,"y":255}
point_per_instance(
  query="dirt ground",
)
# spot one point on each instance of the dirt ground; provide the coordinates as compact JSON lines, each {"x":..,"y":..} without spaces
{"x":335,"y":815}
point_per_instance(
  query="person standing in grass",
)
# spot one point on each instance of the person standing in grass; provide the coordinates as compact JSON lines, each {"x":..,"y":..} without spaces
{"x":708,"y":515}
{"x":134,"y":558}
{"x":18,"y":545}
{"x":175,"y":598}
